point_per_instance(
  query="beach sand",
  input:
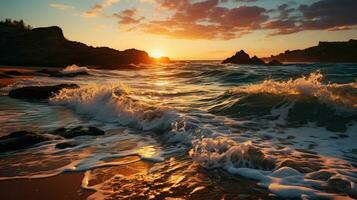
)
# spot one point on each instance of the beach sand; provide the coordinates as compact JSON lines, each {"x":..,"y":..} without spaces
{"x":63,"y":186}
{"x":67,"y":186}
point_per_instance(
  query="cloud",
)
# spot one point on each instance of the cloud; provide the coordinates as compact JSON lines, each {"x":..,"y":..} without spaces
{"x":330,"y":15}
{"x":98,"y":8}
{"x":59,"y":6}
{"x":213,"y":19}
{"x":206,"y":20}
{"x":128,"y":16}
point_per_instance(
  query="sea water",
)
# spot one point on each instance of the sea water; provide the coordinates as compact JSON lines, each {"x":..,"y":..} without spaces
{"x":205,"y":130}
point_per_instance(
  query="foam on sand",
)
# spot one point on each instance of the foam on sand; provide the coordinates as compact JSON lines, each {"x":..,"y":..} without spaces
{"x":252,"y":162}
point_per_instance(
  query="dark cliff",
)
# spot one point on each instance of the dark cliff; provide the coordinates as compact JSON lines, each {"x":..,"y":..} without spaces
{"x":48,"y":47}
{"x":324,"y":52}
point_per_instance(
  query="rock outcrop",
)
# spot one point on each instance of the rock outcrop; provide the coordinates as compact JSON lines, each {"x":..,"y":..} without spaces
{"x":25,"y":139}
{"x":20,"y":140}
{"x":39,"y":92}
{"x":274,"y":63}
{"x":48,"y":47}
{"x":243,"y":58}
{"x":335,"y":52}
{"x":78,"y":131}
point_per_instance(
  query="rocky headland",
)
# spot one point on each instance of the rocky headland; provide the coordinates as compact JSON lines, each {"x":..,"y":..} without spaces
{"x":242,"y":57}
{"x":48,"y":47}
{"x":324,"y":52}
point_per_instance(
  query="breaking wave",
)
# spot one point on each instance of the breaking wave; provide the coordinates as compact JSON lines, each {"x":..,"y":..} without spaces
{"x":293,"y":102}
{"x":74,"y":69}
{"x":113,"y":103}
{"x":312,"y":85}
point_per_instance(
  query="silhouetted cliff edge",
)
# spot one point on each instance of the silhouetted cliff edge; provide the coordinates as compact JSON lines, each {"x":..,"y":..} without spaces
{"x":324,"y":52}
{"x":48,"y":47}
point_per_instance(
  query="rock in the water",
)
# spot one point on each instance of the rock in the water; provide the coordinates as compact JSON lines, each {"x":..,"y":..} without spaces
{"x":339,"y":184}
{"x":239,"y":58}
{"x":13,"y":72}
{"x":274,"y":63}
{"x":4,"y":76}
{"x":78,"y":131}
{"x":57,"y":73}
{"x":243,"y":58}
{"x":39,"y":92}
{"x":20,"y":140}
{"x":64,"y":145}
{"x":257,"y":61}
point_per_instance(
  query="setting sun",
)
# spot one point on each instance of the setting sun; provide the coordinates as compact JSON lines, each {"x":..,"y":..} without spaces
{"x":157,"y":55}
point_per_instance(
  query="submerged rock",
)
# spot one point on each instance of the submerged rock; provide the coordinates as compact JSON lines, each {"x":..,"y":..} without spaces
{"x":64,"y":145}
{"x":78,"y":131}
{"x":59,"y":74}
{"x":20,"y":140}
{"x":4,"y":76}
{"x":13,"y":72}
{"x":339,"y":184}
{"x":39,"y":92}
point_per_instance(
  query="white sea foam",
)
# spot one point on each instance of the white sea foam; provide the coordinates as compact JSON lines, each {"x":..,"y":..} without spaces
{"x":113,"y":103}
{"x":312,"y":85}
{"x":74,"y":69}
{"x":252,"y":162}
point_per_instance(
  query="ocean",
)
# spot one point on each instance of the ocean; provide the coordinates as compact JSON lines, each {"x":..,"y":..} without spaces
{"x":195,"y":130}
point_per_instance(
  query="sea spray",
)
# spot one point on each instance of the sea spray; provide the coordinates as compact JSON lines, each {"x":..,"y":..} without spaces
{"x":113,"y":103}
{"x":344,"y":95}
{"x":74,"y":69}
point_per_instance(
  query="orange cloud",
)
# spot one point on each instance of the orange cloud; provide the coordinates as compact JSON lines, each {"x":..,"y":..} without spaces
{"x":98,"y":8}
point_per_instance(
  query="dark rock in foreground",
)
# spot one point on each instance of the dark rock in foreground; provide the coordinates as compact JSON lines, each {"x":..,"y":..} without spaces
{"x":78,"y":131}
{"x":243,"y":58}
{"x":324,"y":52}
{"x":39,"y":92}
{"x":64,"y":145}
{"x":25,"y":139}
{"x":48,"y":47}
{"x":20,"y":140}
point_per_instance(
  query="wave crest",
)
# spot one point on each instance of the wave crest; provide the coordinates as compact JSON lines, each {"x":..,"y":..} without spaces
{"x":113,"y":103}
{"x":74,"y":69}
{"x":311,"y":85}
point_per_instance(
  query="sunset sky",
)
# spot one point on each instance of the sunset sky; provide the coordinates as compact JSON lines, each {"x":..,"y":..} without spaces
{"x":193,"y":29}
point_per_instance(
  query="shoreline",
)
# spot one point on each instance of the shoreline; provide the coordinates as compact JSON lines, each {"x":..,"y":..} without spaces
{"x":62,"y":186}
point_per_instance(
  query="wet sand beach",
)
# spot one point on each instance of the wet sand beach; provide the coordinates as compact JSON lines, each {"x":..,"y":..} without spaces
{"x":63,"y":186}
